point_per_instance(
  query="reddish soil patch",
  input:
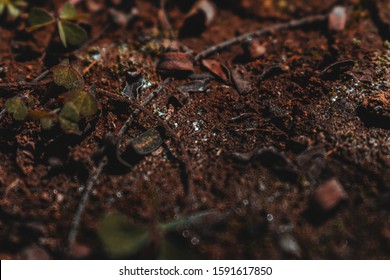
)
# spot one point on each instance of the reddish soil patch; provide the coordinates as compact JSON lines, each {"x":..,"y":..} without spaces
{"x":261,"y":135}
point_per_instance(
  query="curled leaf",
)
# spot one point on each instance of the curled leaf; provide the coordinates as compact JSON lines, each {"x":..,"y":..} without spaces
{"x":85,"y":103}
{"x":68,"y":118}
{"x":38,"y":18}
{"x":71,"y":33}
{"x":67,"y":75}
{"x":17,"y":108}
{"x":119,"y":237}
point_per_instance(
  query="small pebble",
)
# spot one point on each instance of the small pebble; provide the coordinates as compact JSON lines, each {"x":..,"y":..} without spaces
{"x":289,"y":245}
{"x":329,"y":195}
{"x":337,"y":19}
{"x":254,"y":49}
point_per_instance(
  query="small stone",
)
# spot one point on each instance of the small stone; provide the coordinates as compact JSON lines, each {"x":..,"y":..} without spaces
{"x":176,"y":62}
{"x":289,"y":245}
{"x":337,"y":19}
{"x":329,"y":195}
{"x":34,"y":252}
{"x":254,"y":49}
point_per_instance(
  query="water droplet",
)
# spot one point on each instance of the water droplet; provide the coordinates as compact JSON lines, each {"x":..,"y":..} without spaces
{"x":270,"y":218}
{"x":245,"y":202}
{"x":196,"y":126}
{"x":186,"y":233}
{"x":55,"y":191}
{"x":194,"y":241}
{"x":119,"y":194}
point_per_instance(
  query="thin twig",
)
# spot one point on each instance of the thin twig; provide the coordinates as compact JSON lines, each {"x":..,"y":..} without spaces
{"x":34,"y":83}
{"x":149,"y":98}
{"x":93,"y":178}
{"x":249,"y":36}
{"x":83,"y":203}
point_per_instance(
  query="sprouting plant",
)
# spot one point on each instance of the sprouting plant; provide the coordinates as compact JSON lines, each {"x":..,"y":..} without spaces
{"x":17,"y":108}
{"x":12,"y":7}
{"x":70,"y":32}
{"x":123,"y":239}
{"x":78,"y":104}
{"x":67,"y":75}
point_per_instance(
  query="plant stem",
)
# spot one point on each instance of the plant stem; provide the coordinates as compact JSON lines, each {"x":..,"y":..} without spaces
{"x":250,"y":35}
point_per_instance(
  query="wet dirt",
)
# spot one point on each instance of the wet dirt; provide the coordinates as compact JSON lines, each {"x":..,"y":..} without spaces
{"x":313,"y":107}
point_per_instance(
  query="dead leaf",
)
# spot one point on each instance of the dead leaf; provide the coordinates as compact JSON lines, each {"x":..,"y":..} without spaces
{"x":176,"y":62}
{"x":241,"y":81}
{"x":218,"y":69}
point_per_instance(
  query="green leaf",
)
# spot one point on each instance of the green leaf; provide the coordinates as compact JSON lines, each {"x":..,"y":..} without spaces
{"x":68,"y":11}
{"x":68,"y":118}
{"x":2,"y":6}
{"x":67,"y":75}
{"x":17,"y":108}
{"x":13,"y":11}
{"x":85,"y":103}
{"x":38,"y":18}
{"x":119,"y":237}
{"x":46,"y":123}
{"x":71,"y":33}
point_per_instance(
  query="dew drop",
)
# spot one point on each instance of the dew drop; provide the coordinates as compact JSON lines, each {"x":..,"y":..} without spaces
{"x":186,"y":233}
{"x":194,"y":241}
{"x":270,"y":218}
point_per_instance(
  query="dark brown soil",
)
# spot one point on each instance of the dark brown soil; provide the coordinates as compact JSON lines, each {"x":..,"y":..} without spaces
{"x":259,"y":145}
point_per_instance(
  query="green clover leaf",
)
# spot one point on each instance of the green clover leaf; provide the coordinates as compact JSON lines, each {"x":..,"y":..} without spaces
{"x":69,"y":117}
{"x":17,"y":108}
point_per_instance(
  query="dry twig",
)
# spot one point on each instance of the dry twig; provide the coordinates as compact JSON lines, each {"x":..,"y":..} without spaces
{"x":249,"y":36}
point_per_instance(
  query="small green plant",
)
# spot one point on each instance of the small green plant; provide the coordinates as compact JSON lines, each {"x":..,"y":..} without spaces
{"x":122,"y":239}
{"x":70,"y":32}
{"x":78,"y":103}
{"x":67,"y":75}
{"x":17,"y":108}
{"x":12,"y":7}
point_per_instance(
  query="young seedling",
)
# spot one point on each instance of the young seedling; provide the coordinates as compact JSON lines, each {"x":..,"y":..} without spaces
{"x":17,"y":108}
{"x":12,"y":7}
{"x":67,"y":75}
{"x":78,"y":103}
{"x":70,"y":32}
{"x":123,"y":239}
